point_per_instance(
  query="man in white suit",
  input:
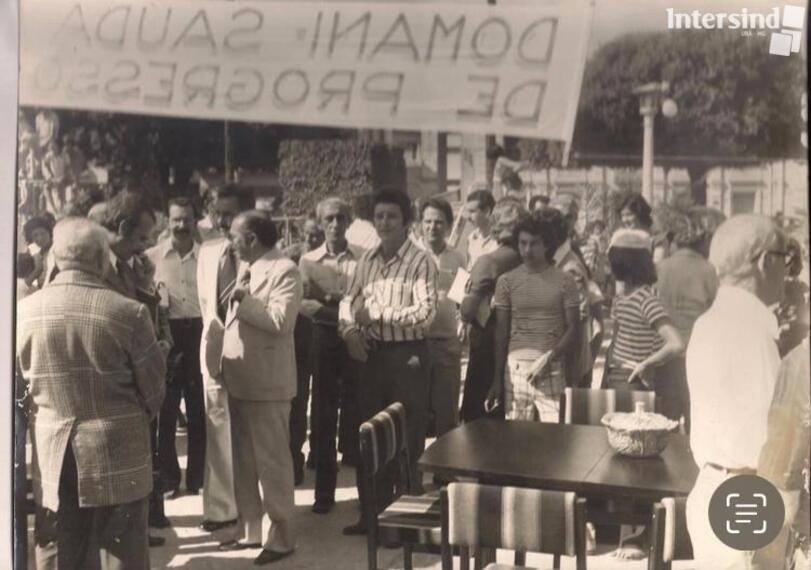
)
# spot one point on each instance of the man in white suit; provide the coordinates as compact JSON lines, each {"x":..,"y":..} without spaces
{"x":216,"y":277}
{"x":259,"y":372}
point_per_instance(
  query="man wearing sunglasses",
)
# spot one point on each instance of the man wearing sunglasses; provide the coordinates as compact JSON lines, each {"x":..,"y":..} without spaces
{"x":732,"y":365}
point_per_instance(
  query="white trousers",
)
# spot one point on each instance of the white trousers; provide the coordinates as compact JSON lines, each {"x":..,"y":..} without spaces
{"x":219,"y":502}
{"x":709,"y":552}
{"x":262,"y":459}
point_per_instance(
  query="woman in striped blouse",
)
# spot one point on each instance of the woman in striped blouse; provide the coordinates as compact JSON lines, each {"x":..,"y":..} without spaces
{"x":644,"y":337}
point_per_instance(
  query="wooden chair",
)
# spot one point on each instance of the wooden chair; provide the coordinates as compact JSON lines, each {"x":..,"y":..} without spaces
{"x":583,"y":406}
{"x":669,"y":537}
{"x":524,"y":520}
{"x":410,"y":519}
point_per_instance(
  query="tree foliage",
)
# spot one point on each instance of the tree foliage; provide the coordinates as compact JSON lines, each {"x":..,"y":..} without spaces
{"x":310,"y":170}
{"x":735,"y":99}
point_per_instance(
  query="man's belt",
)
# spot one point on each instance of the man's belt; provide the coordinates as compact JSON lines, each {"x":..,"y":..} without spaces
{"x":731,"y":470}
{"x":380,"y":344}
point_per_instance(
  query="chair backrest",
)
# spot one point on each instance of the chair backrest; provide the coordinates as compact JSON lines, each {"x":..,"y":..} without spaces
{"x":383,"y":441}
{"x":669,"y":537}
{"x":526,"y":520}
{"x":583,"y":406}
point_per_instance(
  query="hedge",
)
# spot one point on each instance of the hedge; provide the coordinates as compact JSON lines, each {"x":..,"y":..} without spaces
{"x":311,"y":170}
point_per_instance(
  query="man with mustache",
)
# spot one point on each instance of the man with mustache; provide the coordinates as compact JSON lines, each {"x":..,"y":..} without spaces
{"x":175,"y":261}
{"x":216,"y":280}
{"x":129,"y":222}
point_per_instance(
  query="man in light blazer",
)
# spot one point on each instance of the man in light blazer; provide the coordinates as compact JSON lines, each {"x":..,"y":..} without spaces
{"x":216,"y":277}
{"x":96,"y":376}
{"x":259,"y":372}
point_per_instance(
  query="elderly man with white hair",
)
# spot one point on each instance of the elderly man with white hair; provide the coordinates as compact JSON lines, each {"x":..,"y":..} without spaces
{"x":732,"y":365}
{"x":96,"y":375}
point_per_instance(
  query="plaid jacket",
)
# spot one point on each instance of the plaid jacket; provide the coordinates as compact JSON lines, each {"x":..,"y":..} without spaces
{"x":95,"y":375}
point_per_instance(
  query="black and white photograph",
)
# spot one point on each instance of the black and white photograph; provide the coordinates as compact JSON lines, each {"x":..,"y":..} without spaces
{"x":440,"y":284}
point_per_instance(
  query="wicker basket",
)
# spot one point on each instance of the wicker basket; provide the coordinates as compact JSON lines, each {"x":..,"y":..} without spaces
{"x":643,"y":442}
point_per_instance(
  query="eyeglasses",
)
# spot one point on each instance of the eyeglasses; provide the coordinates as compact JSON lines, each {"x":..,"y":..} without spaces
{"x":788,"y":256}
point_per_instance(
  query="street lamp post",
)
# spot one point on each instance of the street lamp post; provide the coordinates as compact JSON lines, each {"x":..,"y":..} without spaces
{"x":650,"y":98}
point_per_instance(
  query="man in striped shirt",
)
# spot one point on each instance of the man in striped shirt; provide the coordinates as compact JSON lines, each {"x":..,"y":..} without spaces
{"x":389,"y":306}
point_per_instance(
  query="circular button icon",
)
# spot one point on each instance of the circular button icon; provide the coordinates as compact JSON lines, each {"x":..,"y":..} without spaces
{"x":746,"y":512}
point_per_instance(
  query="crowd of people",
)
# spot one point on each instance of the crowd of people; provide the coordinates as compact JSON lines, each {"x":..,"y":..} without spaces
{"x":114,"y":331}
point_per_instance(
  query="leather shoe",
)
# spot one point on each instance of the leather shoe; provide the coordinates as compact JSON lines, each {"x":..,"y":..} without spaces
{"x":156,"y":541}
{"x":212,"y":526}
{"x":159,"y":521}
{"x":355,"y":529}
{"x":270,"y":556}
{"x":323,"y":507}
{"x":235,"y":545}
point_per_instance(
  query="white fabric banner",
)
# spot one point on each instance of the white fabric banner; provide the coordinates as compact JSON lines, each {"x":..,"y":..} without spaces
{"x":511,"y":70}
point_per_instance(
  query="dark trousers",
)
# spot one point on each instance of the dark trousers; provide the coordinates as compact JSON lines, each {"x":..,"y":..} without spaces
{"x":669,"y":384}
{"x":303,"y":335}
{"x":335,"y":380}
{"x":479,"y":376}
{"x":672,"y":391}
{"x":156,"y":502}
{"x":396,"y":372}
{"x":185,"y":381}
{"x":90,"y":538}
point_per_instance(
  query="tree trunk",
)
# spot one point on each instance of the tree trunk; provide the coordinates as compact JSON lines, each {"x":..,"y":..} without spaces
{"x":698,"y":183}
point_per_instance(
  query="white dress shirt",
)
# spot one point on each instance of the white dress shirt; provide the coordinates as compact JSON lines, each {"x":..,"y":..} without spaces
{"x":331,"y":272}
{"x":362,"y":234}
{"x":732,"y":364}
{"x":179,"y":276}
{"x":479,"y":245}
{"x":448,"y":262}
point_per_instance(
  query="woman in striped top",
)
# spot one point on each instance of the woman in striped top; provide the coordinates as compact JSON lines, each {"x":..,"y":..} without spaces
{"x":644,"y":337}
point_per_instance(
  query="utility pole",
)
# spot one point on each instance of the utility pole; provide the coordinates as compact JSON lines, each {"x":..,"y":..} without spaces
{"x":650,"y":98}
{"x":227,"y":156}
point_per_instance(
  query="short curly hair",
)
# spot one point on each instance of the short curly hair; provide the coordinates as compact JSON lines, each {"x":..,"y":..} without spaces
{"x":438,"y":204}
{"x":543,"y":227}
{"x":125,"y":210}
{"x":640,"y":208}
{"x":507,"y":214}
{"x":36,"y":223}
{"x":633,"y":266}
{"x":395,"y":198}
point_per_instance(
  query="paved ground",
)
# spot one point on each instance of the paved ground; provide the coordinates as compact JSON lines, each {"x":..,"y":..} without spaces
{"x":320,"y":542}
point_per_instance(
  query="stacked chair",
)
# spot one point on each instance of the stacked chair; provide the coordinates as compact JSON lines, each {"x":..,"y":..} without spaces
{"x":411,"y":519}
{"x":478,"y":516}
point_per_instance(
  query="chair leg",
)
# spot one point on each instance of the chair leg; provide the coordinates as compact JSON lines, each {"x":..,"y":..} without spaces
{"x":447,"y":556}
{"x":464,"y":559}
{"x":371,"y":545}
{"x":408,"y":552}
{"x":556,"y":561}
{"x":484,"y":556}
